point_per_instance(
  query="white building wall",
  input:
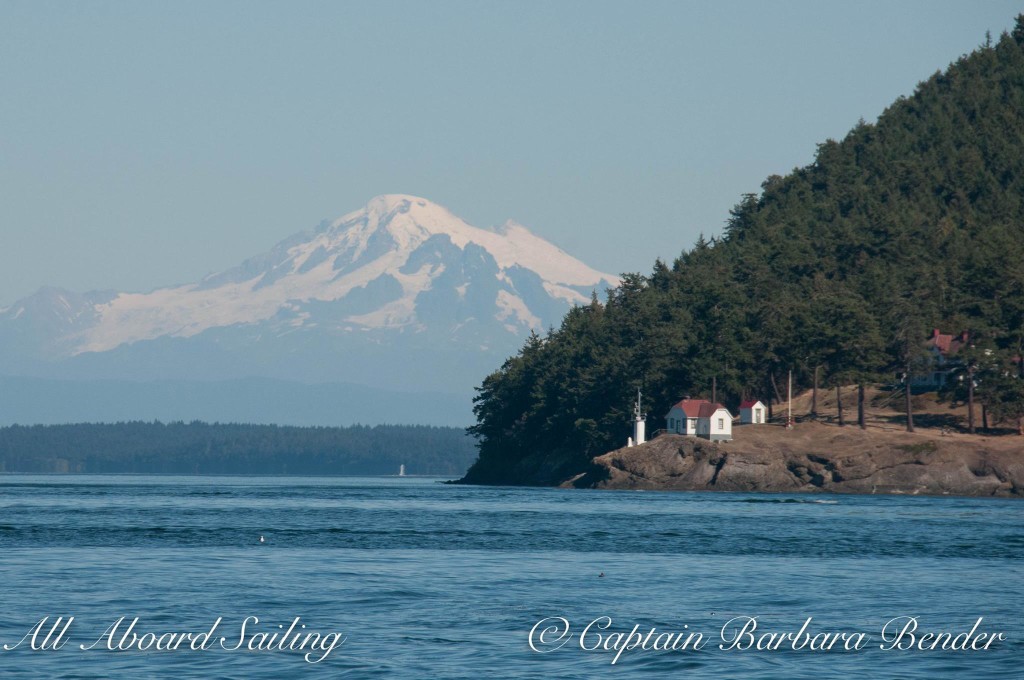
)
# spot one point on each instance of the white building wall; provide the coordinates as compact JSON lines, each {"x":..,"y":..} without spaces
{"x":677,"y":422}
{"x":639,"y":436}
{"x":717,"y":428}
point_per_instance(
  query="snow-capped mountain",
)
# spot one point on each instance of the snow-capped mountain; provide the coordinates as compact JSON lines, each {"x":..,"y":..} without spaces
{"x":401,"y":293}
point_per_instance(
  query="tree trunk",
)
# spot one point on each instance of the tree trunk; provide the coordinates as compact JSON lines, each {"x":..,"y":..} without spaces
{"x":860,"y":407}
{"x":970,"y":400}
{"x":814,"y":394}
{"x":984,"y":417}
{"x":775,"y":387}
{"x":839,"y":406}
{"x":714,"y":390}
{"x":910,"y":410}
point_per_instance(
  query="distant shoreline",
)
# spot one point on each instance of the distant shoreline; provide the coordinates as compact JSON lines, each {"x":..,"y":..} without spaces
{"x":198,"y":448}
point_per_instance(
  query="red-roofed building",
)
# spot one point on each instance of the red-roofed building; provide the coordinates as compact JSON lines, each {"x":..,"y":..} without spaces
{"x":947,"y":345}
{"x":753,"y":412}
{"x":700,"y":418}
{"x":944,"y":349}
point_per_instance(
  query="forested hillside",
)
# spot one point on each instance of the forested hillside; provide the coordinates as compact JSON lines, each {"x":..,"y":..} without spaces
{"x":846,"y":265}
{"x":203,"y":448}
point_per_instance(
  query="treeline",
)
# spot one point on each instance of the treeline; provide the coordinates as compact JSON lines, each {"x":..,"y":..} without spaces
{"x":203,"y":448}
{"x":838,"y":270}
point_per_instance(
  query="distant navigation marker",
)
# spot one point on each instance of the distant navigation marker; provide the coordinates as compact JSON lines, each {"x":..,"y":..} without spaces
{"x":639,"y":423}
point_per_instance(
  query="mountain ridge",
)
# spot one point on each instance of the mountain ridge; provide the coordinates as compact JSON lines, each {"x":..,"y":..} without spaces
{"x":399,"y":276}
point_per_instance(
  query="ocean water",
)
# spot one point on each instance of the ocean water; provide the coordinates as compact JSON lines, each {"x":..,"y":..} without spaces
{"x":426,"y":580}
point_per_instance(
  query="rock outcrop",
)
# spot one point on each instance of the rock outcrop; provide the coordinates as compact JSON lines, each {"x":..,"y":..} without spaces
{"x":817,"y":458}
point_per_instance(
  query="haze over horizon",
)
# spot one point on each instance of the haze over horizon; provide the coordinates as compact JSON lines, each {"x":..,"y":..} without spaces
{"x":145,"y":145}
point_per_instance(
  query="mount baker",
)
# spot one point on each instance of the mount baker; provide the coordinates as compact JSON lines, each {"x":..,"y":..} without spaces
{"x":400,"y":295}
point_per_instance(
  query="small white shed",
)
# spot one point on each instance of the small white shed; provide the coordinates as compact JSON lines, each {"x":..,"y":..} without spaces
{"x":753,"y":413}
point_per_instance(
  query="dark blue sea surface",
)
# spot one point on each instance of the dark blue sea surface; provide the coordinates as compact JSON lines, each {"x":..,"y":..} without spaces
{"x":427,"y":580}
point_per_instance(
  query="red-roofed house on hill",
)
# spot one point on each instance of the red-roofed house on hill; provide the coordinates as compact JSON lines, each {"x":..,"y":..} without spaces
{"x":700,"y":418}
{"x":943,"y":349}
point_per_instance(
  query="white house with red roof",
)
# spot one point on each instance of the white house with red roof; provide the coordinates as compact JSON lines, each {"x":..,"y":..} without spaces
{"x":753,"y":412}
{"x":943,"y":349}
{"x":700,"y":418}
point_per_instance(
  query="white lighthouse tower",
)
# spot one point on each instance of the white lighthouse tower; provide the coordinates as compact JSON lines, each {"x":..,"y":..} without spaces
{"x":639,"y":423}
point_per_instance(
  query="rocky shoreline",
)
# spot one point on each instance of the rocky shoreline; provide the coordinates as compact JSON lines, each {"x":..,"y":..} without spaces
{"x":817,"y":457}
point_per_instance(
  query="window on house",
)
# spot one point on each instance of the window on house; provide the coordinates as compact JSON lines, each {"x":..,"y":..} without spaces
{"x":721,"y":423}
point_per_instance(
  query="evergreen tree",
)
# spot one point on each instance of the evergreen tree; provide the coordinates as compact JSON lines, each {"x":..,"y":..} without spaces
{"x":911,"y":223}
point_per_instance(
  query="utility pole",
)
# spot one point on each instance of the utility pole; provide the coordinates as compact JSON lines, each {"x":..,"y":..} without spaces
{"x":789,"y":411}
{"x":906,"y":394}
{"x":970,"y":398}
{"x":714,"y":389}
{"x":814,"y":394}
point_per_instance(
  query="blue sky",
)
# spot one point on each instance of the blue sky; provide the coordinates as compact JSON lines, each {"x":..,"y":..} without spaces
{"x":149,"y":143}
